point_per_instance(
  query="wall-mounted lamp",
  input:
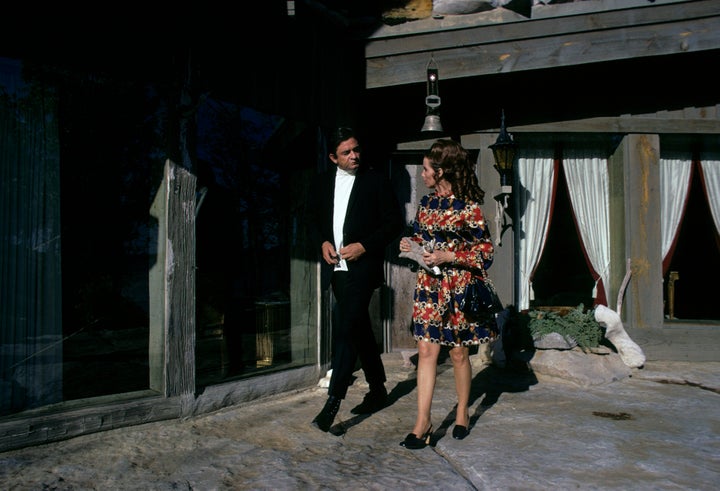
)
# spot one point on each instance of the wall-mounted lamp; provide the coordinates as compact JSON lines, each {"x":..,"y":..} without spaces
{"x":504,"y":153}
{"x":432,"y":100}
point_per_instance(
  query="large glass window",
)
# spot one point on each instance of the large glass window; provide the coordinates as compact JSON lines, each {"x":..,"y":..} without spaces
{"x":81,"y":167}
{"x":249,"y":225}
{"x":110,"y":139}
{"x":79,"y":172}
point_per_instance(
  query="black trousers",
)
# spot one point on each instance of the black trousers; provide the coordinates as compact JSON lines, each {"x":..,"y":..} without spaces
{"x":353,"y":335}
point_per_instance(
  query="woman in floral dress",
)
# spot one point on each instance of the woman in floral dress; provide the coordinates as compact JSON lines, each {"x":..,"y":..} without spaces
{"x":450,"y":227}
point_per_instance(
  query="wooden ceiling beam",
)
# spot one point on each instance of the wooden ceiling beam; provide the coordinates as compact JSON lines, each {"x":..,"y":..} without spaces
{"x":528,"y":44}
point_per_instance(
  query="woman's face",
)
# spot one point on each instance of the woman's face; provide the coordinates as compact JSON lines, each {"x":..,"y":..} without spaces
{"x":428,"y":174}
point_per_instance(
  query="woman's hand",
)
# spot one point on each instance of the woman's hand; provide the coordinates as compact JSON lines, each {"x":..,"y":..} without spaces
{"x":438,"y":257}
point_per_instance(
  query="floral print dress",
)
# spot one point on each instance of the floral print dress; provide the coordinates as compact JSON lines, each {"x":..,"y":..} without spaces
{"x":451,"y":224}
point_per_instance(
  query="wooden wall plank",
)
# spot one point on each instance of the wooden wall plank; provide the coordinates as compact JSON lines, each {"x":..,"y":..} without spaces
{"x":545,"y":43}
{"x":180,"y":259}
{"x":46,"y":427}
{"x":635,"y":124}
{"x":504,"y":30}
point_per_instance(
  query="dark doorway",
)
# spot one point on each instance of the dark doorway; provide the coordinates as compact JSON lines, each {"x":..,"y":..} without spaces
{"x":696,"y":260}
{"x":562,"y":277}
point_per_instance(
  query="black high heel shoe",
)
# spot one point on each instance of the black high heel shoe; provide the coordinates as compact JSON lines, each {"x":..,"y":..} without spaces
{"x":414,"y":443}
{"x":460,"y":432}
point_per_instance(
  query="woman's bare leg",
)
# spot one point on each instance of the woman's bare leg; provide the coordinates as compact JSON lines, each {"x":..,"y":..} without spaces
{"x":426,"y":376}
{"x":462,"y":369}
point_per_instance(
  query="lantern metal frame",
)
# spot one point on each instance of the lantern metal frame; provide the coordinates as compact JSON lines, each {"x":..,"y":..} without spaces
{"x":504,"y":150}
{"x":432,"y":99}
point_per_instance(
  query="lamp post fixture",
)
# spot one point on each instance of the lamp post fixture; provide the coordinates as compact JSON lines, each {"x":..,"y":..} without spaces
{"x":504,"y":153}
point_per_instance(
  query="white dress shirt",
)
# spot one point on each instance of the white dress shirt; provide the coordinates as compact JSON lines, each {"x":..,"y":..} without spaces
{"x":343,"y":185}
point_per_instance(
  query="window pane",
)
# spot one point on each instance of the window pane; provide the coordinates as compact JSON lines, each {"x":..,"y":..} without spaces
{"x":107,"y":154}
{"x":247,"y":220}
{"x":79,"y":151}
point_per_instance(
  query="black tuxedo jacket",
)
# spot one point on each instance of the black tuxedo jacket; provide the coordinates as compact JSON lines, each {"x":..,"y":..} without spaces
{"x":374,"y":218}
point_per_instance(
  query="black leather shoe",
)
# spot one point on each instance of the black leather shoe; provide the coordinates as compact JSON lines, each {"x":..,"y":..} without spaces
{"x":324,"y":419}
{"x":373,"y":401}
{"x":460,"y":432}
{"x":414,"y":443}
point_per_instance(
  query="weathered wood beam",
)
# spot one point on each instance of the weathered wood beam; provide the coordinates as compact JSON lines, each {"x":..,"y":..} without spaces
{"x":84,"y":418}
{"x":627,"y":125}
{"x":687,"y":121}
{"x":529,"y":44}
{"x":180,"y":282}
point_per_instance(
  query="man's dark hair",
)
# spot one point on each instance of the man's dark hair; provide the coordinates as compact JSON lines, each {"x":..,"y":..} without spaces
{"x":339,"y":135}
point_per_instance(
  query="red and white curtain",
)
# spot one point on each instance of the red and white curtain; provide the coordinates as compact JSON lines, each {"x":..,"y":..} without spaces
{"x":675,"y":179}
{"x":588,"y":186}
{"x":538,"y":180}
{"x":587,"y":182}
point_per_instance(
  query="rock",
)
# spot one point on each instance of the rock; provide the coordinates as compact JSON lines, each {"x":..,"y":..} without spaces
{"x":554,"y":340}
{"x":599,"y":350}
{"x":460,"y":7}
{"x":580,"y":368}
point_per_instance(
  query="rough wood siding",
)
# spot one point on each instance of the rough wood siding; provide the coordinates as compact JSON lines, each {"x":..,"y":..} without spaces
{"x":180,"y":281}
{"x":691,"y":120}
{"x":618,"y":254}
{"x":81,"y":419}
{"x":510,"y":43}
{"x":402,"y":290}
{"x":643,"y":301}
{"x":218,"y":396}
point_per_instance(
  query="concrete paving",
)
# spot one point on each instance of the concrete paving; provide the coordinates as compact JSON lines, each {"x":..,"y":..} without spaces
{"x":658,"y":429}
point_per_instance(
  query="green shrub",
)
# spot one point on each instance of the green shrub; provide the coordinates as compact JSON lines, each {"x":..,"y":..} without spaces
{"x":576,"y":324}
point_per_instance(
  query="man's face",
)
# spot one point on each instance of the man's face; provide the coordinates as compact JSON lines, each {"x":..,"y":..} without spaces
{"x":347,"y":156}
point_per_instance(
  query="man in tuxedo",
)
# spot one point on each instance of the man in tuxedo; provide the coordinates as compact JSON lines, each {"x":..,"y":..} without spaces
{"x":356,"y":215}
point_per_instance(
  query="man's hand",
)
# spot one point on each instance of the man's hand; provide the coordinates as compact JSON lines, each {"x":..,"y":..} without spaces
{"x":352,"y":252}
{"x":329,"y":254}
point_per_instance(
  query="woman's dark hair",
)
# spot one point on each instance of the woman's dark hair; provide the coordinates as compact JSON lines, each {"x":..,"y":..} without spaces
{"x":338,"y":136}
{"x":454,"y":160}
